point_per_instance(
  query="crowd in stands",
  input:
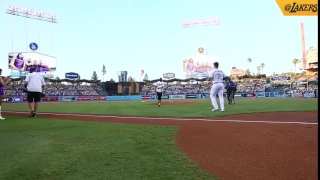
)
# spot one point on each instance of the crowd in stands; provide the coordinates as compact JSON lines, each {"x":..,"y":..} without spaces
{"x":170,"y":88}
{"x":57,"y":90}
{"x":204,"y":87}
{"x":242,"y":86}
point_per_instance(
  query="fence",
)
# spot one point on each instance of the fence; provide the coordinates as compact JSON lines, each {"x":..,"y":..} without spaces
{"x":17,"y":99}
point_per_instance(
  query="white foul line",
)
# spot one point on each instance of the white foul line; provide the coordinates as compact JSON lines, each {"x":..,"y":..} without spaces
{"x":168,"y":118}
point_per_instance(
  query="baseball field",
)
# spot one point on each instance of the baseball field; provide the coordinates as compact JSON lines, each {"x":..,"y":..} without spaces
{"x":255,"y":139}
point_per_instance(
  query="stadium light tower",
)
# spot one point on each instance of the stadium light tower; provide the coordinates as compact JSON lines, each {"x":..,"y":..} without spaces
{"x":31,"y":14}
{"x":212,"y":21}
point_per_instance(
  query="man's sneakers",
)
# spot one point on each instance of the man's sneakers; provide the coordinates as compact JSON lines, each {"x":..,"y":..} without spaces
{"x":214,"y":110}
{"x":2,"y":118}
{"x":33,"y":114}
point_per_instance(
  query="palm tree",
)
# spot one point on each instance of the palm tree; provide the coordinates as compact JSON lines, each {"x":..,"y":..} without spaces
{"x":130,"y":79}
{"x":234,"y":67}
{"x":262,"y":66}
{"x":295,"y":62}
{"x":259,"y":68}
{"x":248,"y":72}
{"x":249,"y":61}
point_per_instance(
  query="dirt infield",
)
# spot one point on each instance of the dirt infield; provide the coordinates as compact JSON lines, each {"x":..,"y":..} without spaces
{"x":174,"y":103}
{"x":255,"y":148}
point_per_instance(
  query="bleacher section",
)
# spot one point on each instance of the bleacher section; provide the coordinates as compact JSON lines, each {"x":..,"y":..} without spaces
{"x":59,"y":90}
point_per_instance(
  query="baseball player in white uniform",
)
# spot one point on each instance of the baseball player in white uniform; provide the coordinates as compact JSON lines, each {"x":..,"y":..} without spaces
{"x":159,"y":89}
{"x":217,"y":77}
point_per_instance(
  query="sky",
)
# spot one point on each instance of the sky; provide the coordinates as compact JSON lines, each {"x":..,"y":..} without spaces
{"x":129,"y":35}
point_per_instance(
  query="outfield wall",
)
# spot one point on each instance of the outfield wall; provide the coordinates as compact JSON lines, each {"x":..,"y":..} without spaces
{"x":17,"y":99}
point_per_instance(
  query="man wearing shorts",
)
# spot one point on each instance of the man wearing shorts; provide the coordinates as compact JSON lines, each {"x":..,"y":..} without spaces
{"x":159,"y":89}
{"x":34,"y":83}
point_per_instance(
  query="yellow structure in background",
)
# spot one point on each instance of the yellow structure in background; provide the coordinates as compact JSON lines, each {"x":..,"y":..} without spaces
{"x":298,"y":7}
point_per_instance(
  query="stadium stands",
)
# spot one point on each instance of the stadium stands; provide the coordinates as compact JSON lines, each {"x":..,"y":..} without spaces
{"x":58,"y":90}
{"x":205,"y":87}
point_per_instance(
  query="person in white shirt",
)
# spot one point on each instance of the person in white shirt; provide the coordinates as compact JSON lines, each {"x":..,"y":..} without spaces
{"x":159,"y":89}
{"x":34,"y":84}
{"x":217,"y":77}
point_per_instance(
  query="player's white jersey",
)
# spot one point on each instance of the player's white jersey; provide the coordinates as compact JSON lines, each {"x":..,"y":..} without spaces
{"x":217,"y":76}
{"x":160,"y":86}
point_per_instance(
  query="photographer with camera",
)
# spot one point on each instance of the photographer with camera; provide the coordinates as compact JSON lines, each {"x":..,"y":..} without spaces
{"x":34,"y":84}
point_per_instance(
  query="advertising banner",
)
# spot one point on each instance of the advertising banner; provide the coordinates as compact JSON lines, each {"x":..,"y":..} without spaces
{"x":23,"y":61}
{"x":177,"y":96}
{"x":297,"y":95}
{"x":148,"y":97}
{"x":126,"y":98}
{"x":280,"y":78}
{"x":237,"y":72}
{"x":72,"y":75}
{"x":67,"y":98}
{"x":12,"y":99}
{"x":309,"y":95}
{"x":250,"y":95}
{"x":145,"y":97}
{"x":168,"y":75}
{"x":261,"y":95}
{"x":99,"y":98}
{"x":50,"y":98}
{"x":191,"y":96}
{"x":162,"y":97}
{"x":84,"y":98}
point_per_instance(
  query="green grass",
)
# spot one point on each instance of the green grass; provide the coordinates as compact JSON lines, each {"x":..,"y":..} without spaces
{"x":200,"y":109}
{"x":56,"y":149}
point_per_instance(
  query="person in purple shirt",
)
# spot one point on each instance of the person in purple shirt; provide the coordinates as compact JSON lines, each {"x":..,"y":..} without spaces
{"x":17,"y":63}
{"x":3,"y":83}
{"x":42,"y":67}
{"x":190,"y":65}
{"x":31,"y":64}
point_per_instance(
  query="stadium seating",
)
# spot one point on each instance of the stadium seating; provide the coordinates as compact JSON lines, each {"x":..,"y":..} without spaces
{"x":58,"y":90}
{"x":204,"y":87}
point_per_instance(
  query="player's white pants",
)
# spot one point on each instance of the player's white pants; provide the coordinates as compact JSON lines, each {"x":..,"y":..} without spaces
{"x":217,"y":88}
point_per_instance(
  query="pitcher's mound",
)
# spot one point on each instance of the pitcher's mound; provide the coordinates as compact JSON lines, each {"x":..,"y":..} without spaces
{"x":174,"y":103}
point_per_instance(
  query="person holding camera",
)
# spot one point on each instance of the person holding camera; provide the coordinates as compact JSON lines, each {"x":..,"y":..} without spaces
{"x":34,"y":84}
{"x":3,"y":83}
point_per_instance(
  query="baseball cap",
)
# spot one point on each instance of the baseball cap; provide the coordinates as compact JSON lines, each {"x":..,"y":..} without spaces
{"x":216,"y":64}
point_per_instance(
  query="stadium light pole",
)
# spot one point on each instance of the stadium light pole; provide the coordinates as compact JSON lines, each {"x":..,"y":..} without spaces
{"x":31,"y":14}
{"x":211,"y":21}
